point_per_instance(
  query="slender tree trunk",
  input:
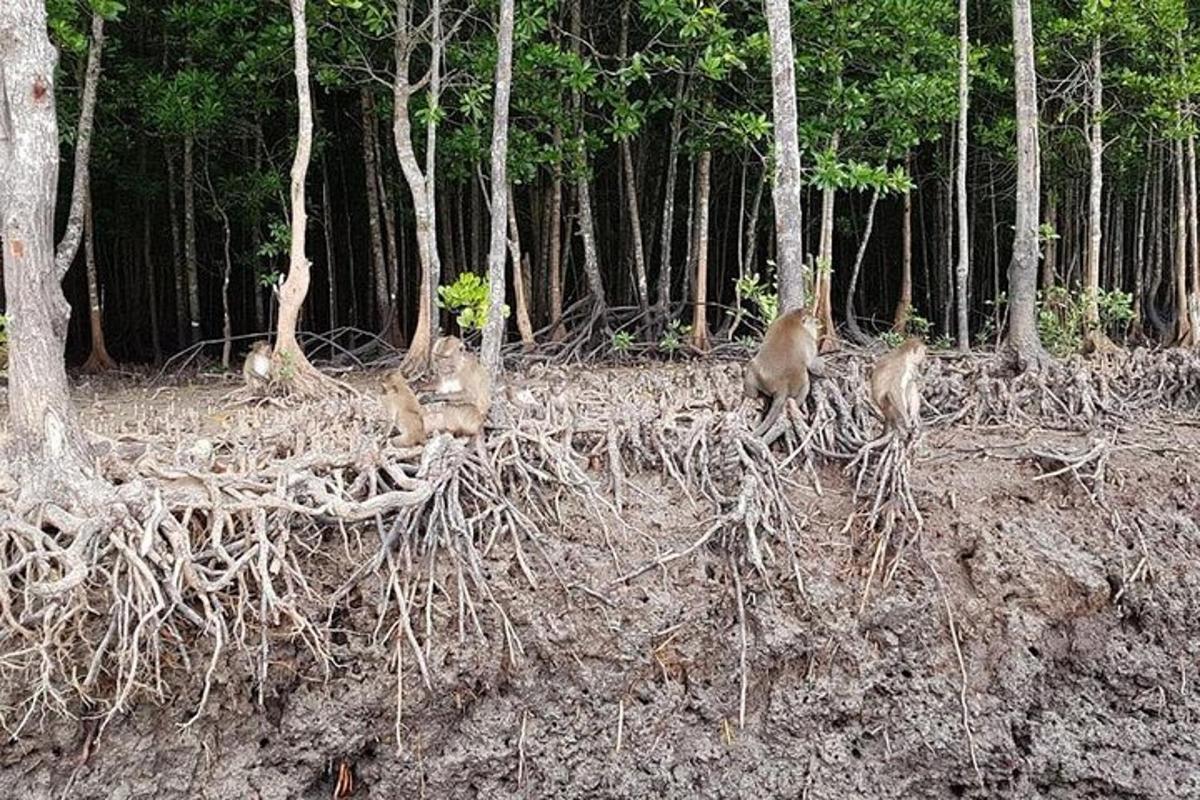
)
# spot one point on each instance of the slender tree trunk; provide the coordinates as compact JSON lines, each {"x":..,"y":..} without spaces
{"x":786,"y":190}
{"x":419,"y":183}
{"x":1185,"y":334}
{"x":554,"y":256}
{"x":1050,"y":260}
{"x":493,"y":329}
{"x":1023,"y":341}
{"x":823,"y":303}
{"x":524,"y":326}
{"x":904,"y":304}
{"x":962,"y":273}
{"x":151,"y":278}
{"x":80,"y":191}
{"x":226,"y":275}
{"x":1139,"y":258}
{"x":750,"y":251}
{"x":669,"y":191}
{"x":587,"y":227}
{"x":997,"y":318}
{"x":295,"y":288}
{"x":192,"y":270}
{"x":631,"y":190}
{"x":98,"y":360}
{"x":856,"y":333}
{"x":178,"y":271}
{"x":47,"y":450}
{"x":327,"y":222}
{"x":700,"y":337}
{"x":1091,"y":282}
{"x":432,"y":272}
{"x":1193,"y":236}
{"x":385,"y":318}
{"x":1151,"y":310}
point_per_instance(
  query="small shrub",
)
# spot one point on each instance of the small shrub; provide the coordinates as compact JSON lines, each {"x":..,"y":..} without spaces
{"x":467,"y":298}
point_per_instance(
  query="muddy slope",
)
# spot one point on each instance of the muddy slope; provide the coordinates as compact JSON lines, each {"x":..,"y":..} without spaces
{"x":1079,"y":635}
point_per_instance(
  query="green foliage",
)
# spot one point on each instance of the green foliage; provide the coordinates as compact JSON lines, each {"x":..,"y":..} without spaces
{"x":467,"y":297}
{"x":764,"y":300}
{"x":1062,"y":316}
{"x":673,"y":337}
{"x":891,"y":338}
{"x":622,"y":341}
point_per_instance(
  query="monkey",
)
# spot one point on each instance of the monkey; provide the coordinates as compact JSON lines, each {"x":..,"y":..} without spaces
{"x":257,"y":367}
{"x":782,"y":365}
{"x":403,"y":409}
{"x":462,"y":390}
{"x":895,"y":385}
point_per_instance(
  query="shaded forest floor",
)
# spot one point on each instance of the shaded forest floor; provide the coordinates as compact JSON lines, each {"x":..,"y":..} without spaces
{"x":1039,"y":635}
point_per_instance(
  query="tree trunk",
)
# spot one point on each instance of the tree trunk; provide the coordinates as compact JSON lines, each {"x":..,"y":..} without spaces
{"x":1139,"y":258}
{"x":856,"y":333}
{"x":191,"y":273}
{"x":587,"y":228}
{"x":1155,"y":252}
{"x":1193,"y":236}
{"x":1185,"y":333}
{"x":47,"y":450}
{"x":1091,"y":278}
{"x":524,"y":326}
{"x":151,"y":279}
{"x":962,"y":273}
{"x":288,"y":354}
{"x":327,"y":222}
{"x":1050,"y":260}
{"x":80,"y":193}
{"x":1023,"y":341}
{"x":493,"y":329}
{"x":823,"y":303}
{"x":669,"y":191}
{"x":786,"y":190}
{"x":420,"y":184}
{"x":98,"y":360}
{"x":385,"y":319}
{"x":700,"y":338}
{"x":178,"y":272}
{"x":631,"y":191}
{"x":554,"y":254}
{"x":904,"y":304}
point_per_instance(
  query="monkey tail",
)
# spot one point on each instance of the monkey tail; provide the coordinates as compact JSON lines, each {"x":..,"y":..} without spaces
{"x":778,"y":403}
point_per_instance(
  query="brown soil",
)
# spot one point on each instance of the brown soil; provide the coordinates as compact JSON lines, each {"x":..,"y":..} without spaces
{"x":1078,"y":625}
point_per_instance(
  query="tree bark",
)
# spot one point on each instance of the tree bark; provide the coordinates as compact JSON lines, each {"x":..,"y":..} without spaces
{"x":962,"y":272}
{"x":68,"y":247}
{"x":288,"y":355}
{"x":823,"y":303}
{"x":151,"y":280}
{"x":1185,"y":333}
{"x":327,"y":222}
{"x":1091,"y":273}
{"x":1193,"y":236}
{"x":1050,"y":260}
{"x":554,"y":256}
{"x":904,"y":303}
{"x":583,"y":192}
{"x":385,"y":319}
{"x":700,"y":337}
{"x":631,"y":192}
{"x":98,"y":359}
{"x":786,"y":191}
{"x":520,"y":273}
{"x":493,"y":329}
{"x":851,"y":322}
{"x":178,"y":270}
{"x":1023,"y":341}
{"x":420,"y":184}
{"x":1139,"y":257}
{"x":48,"y":453}
{"x":669,"y":191}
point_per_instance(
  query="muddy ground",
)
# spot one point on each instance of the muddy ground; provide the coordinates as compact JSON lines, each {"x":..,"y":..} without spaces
{"x":1077,"y":627}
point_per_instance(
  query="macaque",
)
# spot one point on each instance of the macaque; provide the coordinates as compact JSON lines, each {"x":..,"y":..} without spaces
{"x":462,"y":390}
{"x":895,"y":388}
{"x":403,"y":410}
{"x":257,"y":368}
{"x":780,"y":368}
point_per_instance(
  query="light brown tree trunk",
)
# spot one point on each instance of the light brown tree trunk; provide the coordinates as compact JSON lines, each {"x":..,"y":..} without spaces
{"x":520,"y":273}
{"x":1193,"y":237}
{"x":291,"y":363}
{"x":962,"y":272}
{"x":1050,"y":260}
{"x":851,"y":322}
{"x":493,"y":329}
{"x":631,"y":192}
{"x":98,"y":359}
{"x":823,"y":302}
{"x":583,"y":191}
{"x":420,"y":183}
{"x":700,"y":337}
{"x":151,"y":278}
{"x":1091,"y":272}
{"x":786,"y":191}
{"x":1023,"y":342}
{"x":47,"y":450}
{"x":1137,"y":326}
{"x":1185,"y":333}
{"x":330,"y":271}
{"x":904,"y":304}
{"x":178,"y":272}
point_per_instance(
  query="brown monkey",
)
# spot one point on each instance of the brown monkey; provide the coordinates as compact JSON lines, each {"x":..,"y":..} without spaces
{"x":403,"y":409}
{"x":257,"y":367}
{"x":462,"y":391}
{"x":780,"y":368}
{"x":895,"y":385}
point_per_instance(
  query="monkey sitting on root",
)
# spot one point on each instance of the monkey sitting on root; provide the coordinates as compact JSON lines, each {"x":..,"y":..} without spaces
{"x":895,"y":385}
{"x":462,"y":394}
{"x":256,"y":369}
{"x":780,"y":370}
{"x":404,"y":412}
